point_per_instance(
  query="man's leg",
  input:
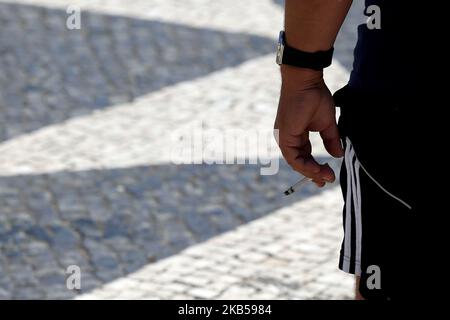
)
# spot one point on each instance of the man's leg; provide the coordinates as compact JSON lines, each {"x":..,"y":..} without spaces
{"x":358,"y":295}
{"x":377,"y":211}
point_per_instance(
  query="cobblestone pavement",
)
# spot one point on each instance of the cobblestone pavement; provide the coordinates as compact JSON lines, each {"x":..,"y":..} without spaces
{"x":259,"y":260}
{"x":85,"y":170}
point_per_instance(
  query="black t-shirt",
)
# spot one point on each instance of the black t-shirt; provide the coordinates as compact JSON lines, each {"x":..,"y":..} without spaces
{"x":385,"y":58}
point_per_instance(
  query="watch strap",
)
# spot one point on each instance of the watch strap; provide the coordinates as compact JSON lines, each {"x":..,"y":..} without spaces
{"x":312,"y":60}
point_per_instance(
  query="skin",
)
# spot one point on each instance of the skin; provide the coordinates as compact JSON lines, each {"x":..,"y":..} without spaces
{"x":306,"y":104}
{"x":358,"y":295}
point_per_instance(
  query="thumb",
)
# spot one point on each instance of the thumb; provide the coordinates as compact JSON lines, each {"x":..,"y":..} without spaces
{"x":332,"y":140}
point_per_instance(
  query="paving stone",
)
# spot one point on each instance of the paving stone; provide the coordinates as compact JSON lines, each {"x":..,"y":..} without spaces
{"x":86,"y":177}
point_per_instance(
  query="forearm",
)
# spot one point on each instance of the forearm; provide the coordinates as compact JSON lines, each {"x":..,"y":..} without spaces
{"x":312,"y":25}
{"x":306,"y":104}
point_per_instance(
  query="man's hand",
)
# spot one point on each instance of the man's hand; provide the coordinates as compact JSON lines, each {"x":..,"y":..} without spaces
{"x":306,"y":105}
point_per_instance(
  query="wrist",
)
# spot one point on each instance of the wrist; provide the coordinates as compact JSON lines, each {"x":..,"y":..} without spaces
{"x":300,"y":77}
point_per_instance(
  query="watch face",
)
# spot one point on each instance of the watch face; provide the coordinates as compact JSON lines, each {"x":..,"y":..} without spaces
{"x":280,"y":48}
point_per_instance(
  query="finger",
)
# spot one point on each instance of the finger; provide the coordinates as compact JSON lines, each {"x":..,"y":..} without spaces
{"x":306,"y":166}
{"x":305,"y":149}
{"x":298,"y":155}
{"x":332,"y":141}
{"x":326,"y":173}
{"x":310,"y":164}
{"x":319,"y":183}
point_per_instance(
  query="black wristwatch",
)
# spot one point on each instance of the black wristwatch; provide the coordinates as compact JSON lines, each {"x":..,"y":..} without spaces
{"x":297,"y":58}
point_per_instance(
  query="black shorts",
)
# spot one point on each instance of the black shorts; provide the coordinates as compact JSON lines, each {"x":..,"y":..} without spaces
{"x":380,"y":216}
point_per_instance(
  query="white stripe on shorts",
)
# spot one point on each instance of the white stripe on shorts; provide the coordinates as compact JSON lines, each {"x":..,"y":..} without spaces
{"x":348,"y":210}
{"x":352,"y":251}
{"x":353,"y":199}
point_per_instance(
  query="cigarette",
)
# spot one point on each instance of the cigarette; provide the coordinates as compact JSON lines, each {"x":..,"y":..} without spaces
{"x":297,"y":186}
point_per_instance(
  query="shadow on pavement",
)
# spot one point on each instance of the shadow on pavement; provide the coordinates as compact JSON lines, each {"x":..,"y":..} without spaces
{"x":49,"y":73}
{"x":112,"y":222}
